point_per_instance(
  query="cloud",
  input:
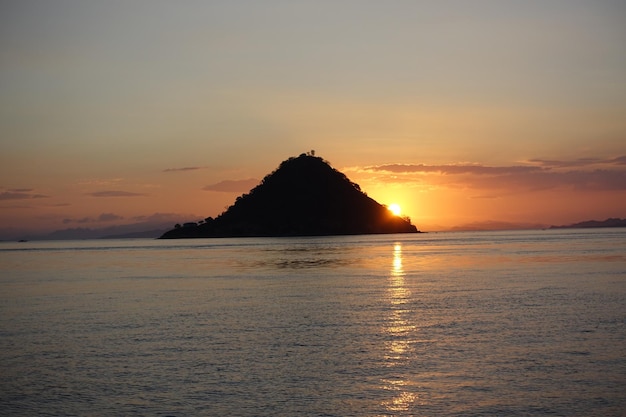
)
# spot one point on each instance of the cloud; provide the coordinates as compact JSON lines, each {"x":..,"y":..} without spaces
{"x":115,"y":193}
{"x":595,"y":180}
{"x":579,"y":174}
{"x":455,"y":169}
{"x":101,"y":181}
{"x":108,"y":217}
{"x":535,"y":165}
{"x":18,"y":206}
{"x":183,"y":169}
{"x":580,"y":162}
{"x":20,"y":194}
{"x":232,"y":185}
{"x":81,"y":221}
{"x":8,"y":195}
{"x":621,"y":160}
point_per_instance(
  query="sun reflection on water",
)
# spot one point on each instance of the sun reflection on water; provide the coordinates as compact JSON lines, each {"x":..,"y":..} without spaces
{"x":398,"y":328}
{"x":397,"y":270}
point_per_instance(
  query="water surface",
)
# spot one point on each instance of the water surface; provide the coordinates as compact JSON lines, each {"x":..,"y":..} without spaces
{"x":489,"y":323}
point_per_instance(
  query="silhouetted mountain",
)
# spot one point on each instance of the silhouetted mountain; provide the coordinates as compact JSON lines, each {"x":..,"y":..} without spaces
{"x":594,"y":223}
{"x":305,"y":196}
{"x":135,"y":230}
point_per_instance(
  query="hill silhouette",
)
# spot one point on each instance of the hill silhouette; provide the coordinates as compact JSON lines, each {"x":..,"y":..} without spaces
{"x":611,"y":222}
{"x":305,"y":196}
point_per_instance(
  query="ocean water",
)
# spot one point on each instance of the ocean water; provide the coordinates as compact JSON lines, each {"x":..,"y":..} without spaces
{"x":455,"y":324}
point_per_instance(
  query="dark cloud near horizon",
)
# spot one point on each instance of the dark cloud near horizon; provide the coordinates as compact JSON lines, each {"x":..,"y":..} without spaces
{"x":115,"y":193}
{"x":596,"y":180}
{"x":183,"y":169}
{"x":80,"y":221}
{"x":599,"y":179}
{"x":19,"y":207}
{"x":454,"y":169}
{"x":580,"y":162}
{"x":549,"y":174}
{"x":109,"y":217}
{"x":232,"y":185}
{"x":20,"y":194}
{"x":537,"y":165}
{"x":620,"y":160}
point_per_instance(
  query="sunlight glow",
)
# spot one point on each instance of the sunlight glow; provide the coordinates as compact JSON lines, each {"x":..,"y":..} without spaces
{"x":395,"y":209}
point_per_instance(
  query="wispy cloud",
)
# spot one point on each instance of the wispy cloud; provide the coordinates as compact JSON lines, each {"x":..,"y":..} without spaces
{"x":101,"y":182}
{"x":20,"y":194}
{"x":455,"y":169}
{"x":232,"y":185}
{"x":78,"y":221}
{"x":183,"y":169}
{"x":580,"y":162}
{"x":109,"y":217}
{"x":115,"y":193}
{"x":621,"y":160}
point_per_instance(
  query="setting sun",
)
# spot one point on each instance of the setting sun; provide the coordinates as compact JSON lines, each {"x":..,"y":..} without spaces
{"x":395,"y":209}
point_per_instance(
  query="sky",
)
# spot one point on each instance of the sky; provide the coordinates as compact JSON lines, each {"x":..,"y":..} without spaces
{"x":463,"y":113}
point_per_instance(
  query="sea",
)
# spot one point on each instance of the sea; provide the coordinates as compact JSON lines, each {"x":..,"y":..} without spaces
{"x":507,"y":323}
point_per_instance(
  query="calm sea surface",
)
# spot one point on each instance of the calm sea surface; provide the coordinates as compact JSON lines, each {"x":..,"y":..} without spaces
{"x":453,"y":324}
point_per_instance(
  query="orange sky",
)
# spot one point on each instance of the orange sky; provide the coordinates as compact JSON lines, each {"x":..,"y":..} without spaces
{"x":114,"y":113}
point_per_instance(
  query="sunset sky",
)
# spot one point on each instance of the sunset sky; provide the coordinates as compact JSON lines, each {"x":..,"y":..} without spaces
{"x":462,"y":112}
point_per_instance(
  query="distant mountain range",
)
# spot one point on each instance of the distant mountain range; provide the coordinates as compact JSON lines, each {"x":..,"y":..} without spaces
{"x":305,"y":196}
{"x":152,"y":231}
{"x":612,"y":222}
{"x":135,"y":230}
{"x":496,"y":225}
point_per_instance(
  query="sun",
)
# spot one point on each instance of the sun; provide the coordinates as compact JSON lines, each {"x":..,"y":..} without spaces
{"x":395,"y":209}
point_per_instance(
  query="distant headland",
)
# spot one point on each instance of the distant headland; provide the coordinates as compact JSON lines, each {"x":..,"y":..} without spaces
{"x":304,"y":196}
{"x":611,"y":222}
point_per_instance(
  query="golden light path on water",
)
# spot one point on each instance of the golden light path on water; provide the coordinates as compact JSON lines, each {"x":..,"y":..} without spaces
{"x":398,"y":329}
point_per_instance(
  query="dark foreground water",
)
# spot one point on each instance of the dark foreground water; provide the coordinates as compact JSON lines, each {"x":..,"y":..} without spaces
{"x":500,"y":323}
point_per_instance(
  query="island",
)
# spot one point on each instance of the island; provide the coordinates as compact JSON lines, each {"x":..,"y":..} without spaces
{"x":304,"y":196}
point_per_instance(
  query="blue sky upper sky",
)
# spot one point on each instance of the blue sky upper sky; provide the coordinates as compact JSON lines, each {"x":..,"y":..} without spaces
{"x":133,"y":108}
